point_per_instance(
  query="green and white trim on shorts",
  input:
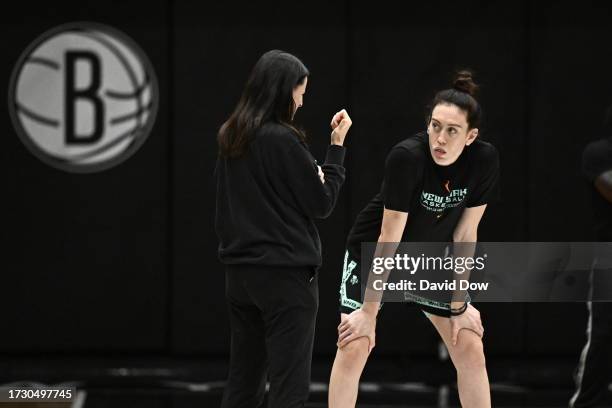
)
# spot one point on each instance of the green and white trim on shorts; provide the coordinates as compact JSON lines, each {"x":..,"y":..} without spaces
{"x":351,"y":293}
{"x":347,"y":273}
{"x":430,"y":302}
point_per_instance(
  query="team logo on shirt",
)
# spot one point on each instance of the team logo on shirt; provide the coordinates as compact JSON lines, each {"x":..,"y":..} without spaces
{"x":439,"y":203}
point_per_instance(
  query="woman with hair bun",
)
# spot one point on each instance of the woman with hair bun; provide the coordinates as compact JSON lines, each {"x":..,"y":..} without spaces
{"x":450,"y":163}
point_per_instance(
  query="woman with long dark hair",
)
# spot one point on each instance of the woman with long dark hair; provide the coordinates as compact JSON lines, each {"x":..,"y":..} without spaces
{"x":436,"y":188}
{"x":269,"y":191}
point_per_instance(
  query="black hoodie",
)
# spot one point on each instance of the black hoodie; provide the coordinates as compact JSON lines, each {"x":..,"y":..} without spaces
{"x":268,"y":198}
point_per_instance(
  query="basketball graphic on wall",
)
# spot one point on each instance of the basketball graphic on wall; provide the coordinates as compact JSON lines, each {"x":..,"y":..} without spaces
{"x":83,"y":97}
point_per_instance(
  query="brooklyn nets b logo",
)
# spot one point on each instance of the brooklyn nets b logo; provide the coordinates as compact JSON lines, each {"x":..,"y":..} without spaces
{"x":83,"y":97}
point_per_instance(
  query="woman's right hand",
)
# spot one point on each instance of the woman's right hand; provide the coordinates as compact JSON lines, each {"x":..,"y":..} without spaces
{"x":357,"y":324}
{"x":340,"y":124}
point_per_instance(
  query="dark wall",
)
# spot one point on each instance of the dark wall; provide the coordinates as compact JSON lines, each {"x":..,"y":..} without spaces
{"x":85,"y":266}
{"x":126,"y":259}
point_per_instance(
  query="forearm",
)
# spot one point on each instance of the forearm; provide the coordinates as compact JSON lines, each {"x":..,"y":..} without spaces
{"x":385,"y":248}
{"x":465,"y":248}
{"x":316,"y":199}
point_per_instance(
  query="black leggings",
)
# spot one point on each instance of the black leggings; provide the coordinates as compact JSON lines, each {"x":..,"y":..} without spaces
{"x":272,"y":319}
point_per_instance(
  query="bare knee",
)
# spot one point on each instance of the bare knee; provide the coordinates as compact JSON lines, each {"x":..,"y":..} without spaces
{"x":468,"y":354}
{"x":353,"y":355}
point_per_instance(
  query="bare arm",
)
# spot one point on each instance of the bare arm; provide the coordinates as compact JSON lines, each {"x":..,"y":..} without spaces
{"x":467,"y":227}
{"x":466,"y":233}
{"x":362,"y":322}
{"x":391,"y":231}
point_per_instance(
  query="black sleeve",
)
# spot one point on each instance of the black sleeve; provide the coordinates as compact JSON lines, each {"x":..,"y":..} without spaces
{"x":487,"y":189}
{"x":597,"y":159}
{"x":315,"y":199}
{"x":403,"y":173}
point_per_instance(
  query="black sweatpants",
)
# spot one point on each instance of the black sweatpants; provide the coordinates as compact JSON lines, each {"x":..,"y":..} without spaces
{"x":594,"y":372}
{"x":272,"y":320}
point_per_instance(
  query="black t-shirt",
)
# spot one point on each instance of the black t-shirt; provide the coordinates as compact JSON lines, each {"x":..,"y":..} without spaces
{"x":434,"y":196}
{"x":596,"y":160}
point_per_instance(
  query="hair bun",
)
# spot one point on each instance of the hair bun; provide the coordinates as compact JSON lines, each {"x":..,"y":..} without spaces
{"x":463,"y":82}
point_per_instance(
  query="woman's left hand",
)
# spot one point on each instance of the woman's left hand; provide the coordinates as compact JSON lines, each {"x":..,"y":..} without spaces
{"x":469,"y":320}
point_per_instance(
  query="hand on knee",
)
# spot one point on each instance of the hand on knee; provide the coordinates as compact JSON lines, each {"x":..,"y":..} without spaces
{"x":359,"y":323}
{"x":468,"y":354}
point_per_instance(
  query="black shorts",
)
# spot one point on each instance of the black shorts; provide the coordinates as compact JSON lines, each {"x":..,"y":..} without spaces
{"x":350,"y":291}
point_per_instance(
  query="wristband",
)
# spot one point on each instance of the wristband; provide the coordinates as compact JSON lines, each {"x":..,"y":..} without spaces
{"x":460,"y":311}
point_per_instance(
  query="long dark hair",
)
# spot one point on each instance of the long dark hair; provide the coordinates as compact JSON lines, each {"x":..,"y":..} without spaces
{"x":267,"y":96}
{"x":462,"y":94}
